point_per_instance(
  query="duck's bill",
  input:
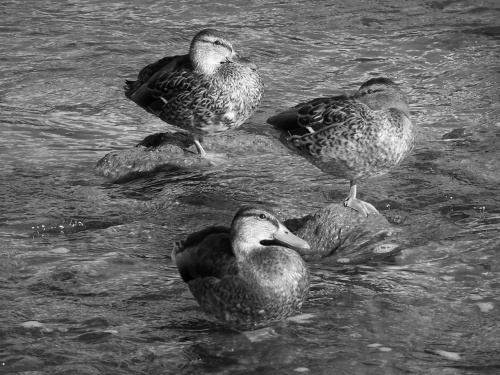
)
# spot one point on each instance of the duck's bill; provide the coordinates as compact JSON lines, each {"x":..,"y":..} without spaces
{"x":285,"y":237}
{"x":238,"y":59}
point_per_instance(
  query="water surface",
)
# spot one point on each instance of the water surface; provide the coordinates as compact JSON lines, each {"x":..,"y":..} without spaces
{"x":86,"y":284}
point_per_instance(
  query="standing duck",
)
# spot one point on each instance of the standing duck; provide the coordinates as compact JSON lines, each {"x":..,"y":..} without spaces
{"x":248,"y":275}
{"x":352,"y":137}
{"x":211,"y":89}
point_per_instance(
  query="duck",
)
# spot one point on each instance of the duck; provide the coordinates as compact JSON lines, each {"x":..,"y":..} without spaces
{"x":352,"y":137}
{"x":211,"y":89}
{"x":246,"y":276}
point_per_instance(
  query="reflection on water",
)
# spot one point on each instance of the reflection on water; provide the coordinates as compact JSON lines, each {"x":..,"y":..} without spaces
{"x":87,"y":284}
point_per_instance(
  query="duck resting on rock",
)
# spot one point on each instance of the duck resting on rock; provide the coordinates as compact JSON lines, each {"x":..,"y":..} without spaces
{"x":246,"y":276}
{"x":209,"y":90}
{"x":352,"y":137}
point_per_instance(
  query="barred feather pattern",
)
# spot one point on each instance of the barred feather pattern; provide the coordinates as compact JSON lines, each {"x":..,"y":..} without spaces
{"x":201,"y":104}
{"x":353,"y":141}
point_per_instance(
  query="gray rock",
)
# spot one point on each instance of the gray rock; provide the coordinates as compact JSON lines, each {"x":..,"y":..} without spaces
{"x":341,"y":235}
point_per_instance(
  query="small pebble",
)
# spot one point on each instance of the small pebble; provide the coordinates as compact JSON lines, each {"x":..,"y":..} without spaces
{"x":302,"y":318}
{"x":384,"y":349}
{"x":32,"y":324}
{"x":485,"y":306}
{"x":385,"y":248}
{"x":343,"y":260}
{"x":60,"y":250}
{"x":301,"y":369}
{"x":443,"y":353}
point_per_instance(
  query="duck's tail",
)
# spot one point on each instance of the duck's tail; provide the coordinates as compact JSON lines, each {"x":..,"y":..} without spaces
{"x":178,"y":246}
{"x":286,"y":120}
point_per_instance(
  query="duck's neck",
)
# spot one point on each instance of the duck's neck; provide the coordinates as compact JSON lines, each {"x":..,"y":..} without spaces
{"x":203,"y":64}
{"x":402,"y":106}
{"x":242,"y":250}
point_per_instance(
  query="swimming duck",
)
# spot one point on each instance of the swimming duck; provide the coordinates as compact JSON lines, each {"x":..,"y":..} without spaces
{"x":248,"y":275}
{"x":211,"y":89}
{"x":353,"y":137}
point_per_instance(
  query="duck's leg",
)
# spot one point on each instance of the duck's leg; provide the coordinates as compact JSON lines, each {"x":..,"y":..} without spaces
{"x":214,"y":159}
{"x":357,"y":204}
{"x":200,"y":149}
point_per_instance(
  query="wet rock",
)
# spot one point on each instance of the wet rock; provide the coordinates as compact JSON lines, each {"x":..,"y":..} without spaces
{"x":344,"y":236}
{"x":94,"y":337}
{"x":26,"y":364}
{"x":156,"y":152}
{"x":457,"y":134}
{"x":174,"y":151}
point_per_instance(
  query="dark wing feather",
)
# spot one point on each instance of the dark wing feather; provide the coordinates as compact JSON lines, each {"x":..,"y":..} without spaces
{"x":342,"y":125}
{"x":328,"y":112}
{"x":207,"y":253}
{"x":303,"y":114}
{"x":144,"y":90}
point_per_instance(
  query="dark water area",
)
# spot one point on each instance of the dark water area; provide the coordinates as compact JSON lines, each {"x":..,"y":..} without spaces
{"x":87,"y":285}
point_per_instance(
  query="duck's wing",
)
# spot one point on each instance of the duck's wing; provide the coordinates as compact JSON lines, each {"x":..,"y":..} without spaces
{"x":338,"y":125}
{"x":304,"y":114}
{"x":207,"y":253}
{"x":146,"y":90}
{"x":230,"y":299}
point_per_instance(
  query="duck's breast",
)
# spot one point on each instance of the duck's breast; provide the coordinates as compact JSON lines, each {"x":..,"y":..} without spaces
{"x":281,"y":277}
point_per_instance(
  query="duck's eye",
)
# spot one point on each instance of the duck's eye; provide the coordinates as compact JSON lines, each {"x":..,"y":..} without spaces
{"x":218,"y":43}
{"x":262,"y":216}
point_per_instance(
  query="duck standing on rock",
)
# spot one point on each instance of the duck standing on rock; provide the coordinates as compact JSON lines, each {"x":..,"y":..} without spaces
{"x":353,"y":137}
{"x":248,"y":275}
{"x":211,"y":89}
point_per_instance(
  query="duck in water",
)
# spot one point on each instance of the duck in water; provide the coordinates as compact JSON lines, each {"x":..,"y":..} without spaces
{"x":352,"y":137}
{"x":209,"y":90}
{"x":246,"y":276}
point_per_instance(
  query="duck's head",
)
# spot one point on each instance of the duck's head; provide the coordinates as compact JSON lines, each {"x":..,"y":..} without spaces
{"x":383,"y":93}
{"x":253,"y":228}
{"x":210,"y":49}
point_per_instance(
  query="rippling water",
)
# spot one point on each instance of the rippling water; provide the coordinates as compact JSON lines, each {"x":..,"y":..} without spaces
{"x":85,"y":284}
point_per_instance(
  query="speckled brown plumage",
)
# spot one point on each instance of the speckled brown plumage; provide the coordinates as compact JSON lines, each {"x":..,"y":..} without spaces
{"x":209,"y":90}
{"x":240,"y":275}
{"x":354,"y":137}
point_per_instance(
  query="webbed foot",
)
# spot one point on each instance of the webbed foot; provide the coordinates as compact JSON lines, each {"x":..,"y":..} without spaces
{"x":360,"y":206}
